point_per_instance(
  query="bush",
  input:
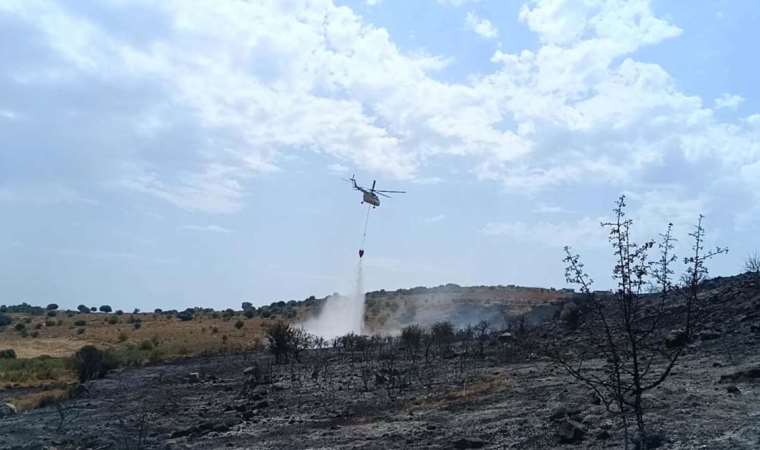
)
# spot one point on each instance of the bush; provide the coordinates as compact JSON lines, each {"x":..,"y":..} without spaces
{"x":52,"y":313}
{"x":113,"y":320}
{"x":80,"y":323}
{"x":8,"y":354}
{"x":146,"y":345}
{"x":52,"y":307}
{"x":50,"y":323}
{"x":239,"y":324}
{"x":91,"y":363}
{"x":20,"y":327}
{"x":38,"y":326}
{"x":285,"y":342}
{"x":83,"y":309}
{"x":105,"y":309}
{"x":35,"y":334}
{"x":93,"y":309}
{"x":80,"y":330}
{"x":185,"y":315}
{"x":5,"y":320}
{"x":123,"y":336}
{"x":137,"y":325}
{"x":443,"y":334}
{"x":411,"y":337}
{"x":249,"y":313}
{"x":119,"y":312}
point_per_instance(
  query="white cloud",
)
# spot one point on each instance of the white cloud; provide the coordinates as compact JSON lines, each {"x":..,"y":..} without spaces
{"x":206,"y":228}
{"x":337,"y":168}
{"x":8,"y":114}
{"x":728,"y":101}
{"x":579,"y":109}
{"x":436,"y":218}
{"x":483,"y":27}
{"x":585,"y":231}
{"x":456,"y":2}
{"x":372,"y":2}
{"x":42,"y":194}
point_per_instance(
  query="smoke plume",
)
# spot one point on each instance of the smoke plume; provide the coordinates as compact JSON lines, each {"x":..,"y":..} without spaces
{"x":340,"y":314}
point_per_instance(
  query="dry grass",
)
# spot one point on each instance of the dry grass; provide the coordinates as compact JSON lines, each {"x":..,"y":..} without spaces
{"x":487,"y":385}
{"x":41,"y":354}
{"x":39,"y":399}
{"x":175,"y":337}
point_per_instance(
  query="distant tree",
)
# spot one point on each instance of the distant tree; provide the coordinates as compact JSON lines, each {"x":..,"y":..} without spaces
{"x":93,"y":309}
{"x":5,"y":320}
{"x":247,"y":306}
{"x":52,"y":306}
{"x":443,"y":334}
{"x":119,"y":312}
{"x":105,"y":309}
{"x":752,"y":264}
{"x":411,"y":339}
{"x":83,"y":309}
{"x":136,"y":311}
{"x":185,"y":315}
{"x":157,"y":311}
{"x":249,"y":313}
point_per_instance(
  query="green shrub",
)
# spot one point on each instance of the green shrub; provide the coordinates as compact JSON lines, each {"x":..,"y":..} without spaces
{"x":91,"y":363}
{"x":239,"y":324}
{"x":8,"y":354}
{"x":113,"y":320}
{"x":52,"y":313}
{"x":20,"y":327}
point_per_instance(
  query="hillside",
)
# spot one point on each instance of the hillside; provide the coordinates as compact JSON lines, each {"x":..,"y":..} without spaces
{"x":389,"y":311}
{"x":469,"y":392}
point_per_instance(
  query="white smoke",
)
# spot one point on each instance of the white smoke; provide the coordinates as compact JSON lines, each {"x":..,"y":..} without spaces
{"x":341,"y":315}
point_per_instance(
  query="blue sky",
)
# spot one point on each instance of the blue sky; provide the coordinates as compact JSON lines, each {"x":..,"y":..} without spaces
{"x":173,"y":154}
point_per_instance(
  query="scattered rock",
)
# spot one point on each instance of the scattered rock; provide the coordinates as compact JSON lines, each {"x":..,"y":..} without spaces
{"x":732,"y":389}
{"x":751,"y":374}
{"x":652,"y":440}
{"x":676,"y":338}
{"x":603,"y":435}
{"x":7,"y":409}
{"x":194,"y":377}
{"x":279,"y":386}
{"x":709,"y":335}
{"x":469,"y":443}
{"x":570,"y":432}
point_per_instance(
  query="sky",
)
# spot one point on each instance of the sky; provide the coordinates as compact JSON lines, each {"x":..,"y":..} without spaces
{"x":175,"y":154}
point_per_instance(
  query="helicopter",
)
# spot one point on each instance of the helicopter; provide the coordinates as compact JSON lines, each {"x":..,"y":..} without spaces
{"x":371,"y":195}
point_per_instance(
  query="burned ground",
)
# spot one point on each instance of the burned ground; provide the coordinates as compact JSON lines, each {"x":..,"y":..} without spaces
{"x":375,"y":394}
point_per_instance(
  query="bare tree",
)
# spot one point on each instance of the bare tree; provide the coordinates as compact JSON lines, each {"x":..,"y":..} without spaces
{"x":627,"y":328}
{"x":752,"y":264}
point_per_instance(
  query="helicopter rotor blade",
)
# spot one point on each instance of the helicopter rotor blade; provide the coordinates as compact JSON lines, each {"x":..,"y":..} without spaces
{"x":384,"y":195}
{"x":394,"y":192}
